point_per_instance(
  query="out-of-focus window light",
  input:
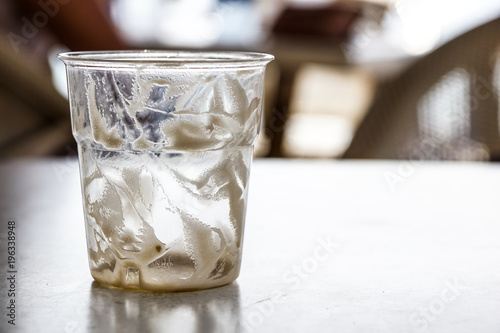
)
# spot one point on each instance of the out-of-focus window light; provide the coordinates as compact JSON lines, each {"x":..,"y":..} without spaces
{"x":58,"y":70}
{"x":421,"y":25}
{"x":327,"y":105}
{"x":241,"y":23}
{"x":416,"y":27}
{"x":191,"y":23}
{"x":137,"y":20}
{"x":188,"y":23}
{"x":316,"y":135}
{"x":444,"y":112}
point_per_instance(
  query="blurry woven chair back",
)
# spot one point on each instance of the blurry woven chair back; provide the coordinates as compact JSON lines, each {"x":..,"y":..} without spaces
{"x":443,"y":107}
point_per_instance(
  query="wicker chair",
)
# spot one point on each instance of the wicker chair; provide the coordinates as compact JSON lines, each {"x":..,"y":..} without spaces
{"x":443,"y":107}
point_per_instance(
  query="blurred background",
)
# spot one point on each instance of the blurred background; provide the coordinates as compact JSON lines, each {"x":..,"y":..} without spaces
{"x":372,"y":79}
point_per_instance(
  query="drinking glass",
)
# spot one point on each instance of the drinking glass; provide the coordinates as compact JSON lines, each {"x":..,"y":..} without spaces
{"x":165,"y":142}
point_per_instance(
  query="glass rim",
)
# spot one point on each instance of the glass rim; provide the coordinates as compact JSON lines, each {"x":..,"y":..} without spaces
{"x":167,"y":58}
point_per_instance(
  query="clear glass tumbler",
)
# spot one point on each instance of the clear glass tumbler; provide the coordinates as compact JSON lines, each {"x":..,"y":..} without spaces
{"x":165,"y":143}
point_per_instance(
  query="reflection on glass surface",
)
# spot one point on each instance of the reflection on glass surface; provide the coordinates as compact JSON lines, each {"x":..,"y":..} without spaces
{"x":116,"y":310}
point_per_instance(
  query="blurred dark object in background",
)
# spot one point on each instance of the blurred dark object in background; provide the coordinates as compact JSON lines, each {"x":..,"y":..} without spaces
{"x":444,"y":107}
{"x":35,"y":118}
{"x":309,"y":34}
{"x":330,"y":20}
{"x":79,"y":25}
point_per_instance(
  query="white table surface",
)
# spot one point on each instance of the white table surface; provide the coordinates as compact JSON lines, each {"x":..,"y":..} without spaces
{"x":329,"y":247}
